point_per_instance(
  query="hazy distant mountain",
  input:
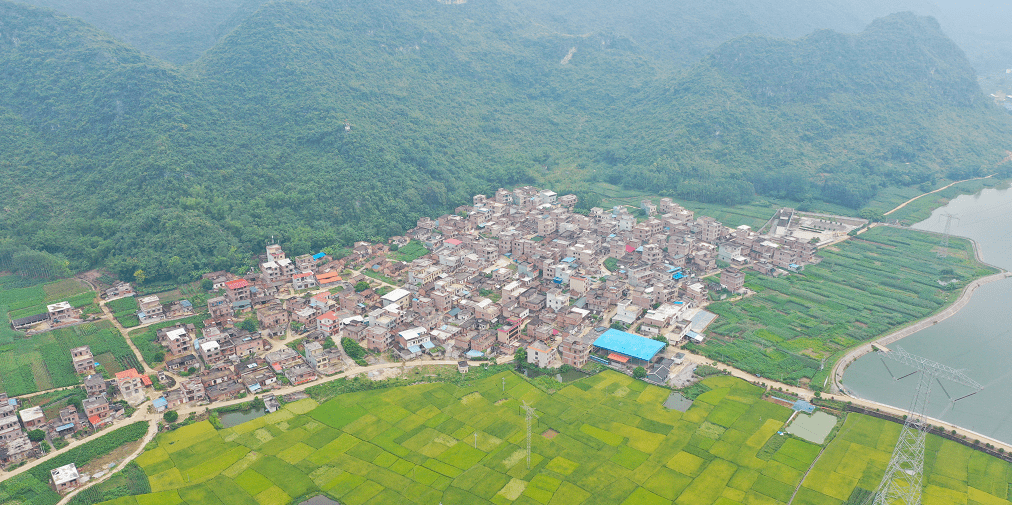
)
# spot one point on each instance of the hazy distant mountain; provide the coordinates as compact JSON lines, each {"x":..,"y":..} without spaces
{"x":329,"y":121}
{"x":177,"y":31}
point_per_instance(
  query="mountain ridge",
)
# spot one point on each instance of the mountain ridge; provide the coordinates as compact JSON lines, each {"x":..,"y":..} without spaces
{"x":177,"y":170}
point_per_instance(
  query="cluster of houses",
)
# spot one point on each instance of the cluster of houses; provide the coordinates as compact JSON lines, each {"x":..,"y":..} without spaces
{"x":515,"y":270}
{"x":518,"y":269}
{"x":97,"y":410}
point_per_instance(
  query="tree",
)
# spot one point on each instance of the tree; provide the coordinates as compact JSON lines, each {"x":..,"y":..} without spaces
{"x":249,"y":324}
{"x":170,"y":416}
{"x":206,"y":284}
{"x":639,"y":372}
{"x":36,"y":435}
{"x":394,"y":247}
{"x":44,"y":447}
{"x":139,"y":276}
{"x":361,"y":286}
{"x":871,"y":215}
{"x":520,"y":356}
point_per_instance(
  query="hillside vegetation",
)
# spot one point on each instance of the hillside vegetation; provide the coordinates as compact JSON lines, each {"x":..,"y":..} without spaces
{"x":329,"y":121}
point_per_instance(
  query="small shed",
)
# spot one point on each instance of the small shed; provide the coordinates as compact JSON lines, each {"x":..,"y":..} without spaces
{"x":160,"y":404}
{"x":803,"y":406}
{"x":462,"y":366}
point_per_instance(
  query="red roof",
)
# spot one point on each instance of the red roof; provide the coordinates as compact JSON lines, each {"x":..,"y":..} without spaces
{"x":236,"y":284}
{"x":94,"y":420}
{"x":127,"y":374}
{"x":629,"y":248}
{"x":618,"y":357}
{"x":328,"y":277}
{"x":132,"y":374}
{"x":303,"y":274}
{"x":453,"y":241}
{"x":329,"y":315}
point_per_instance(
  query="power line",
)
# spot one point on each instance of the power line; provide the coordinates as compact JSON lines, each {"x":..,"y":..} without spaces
{"x":945,"y":235}
{"x":530,"y":417}
{"x":903,"y":479}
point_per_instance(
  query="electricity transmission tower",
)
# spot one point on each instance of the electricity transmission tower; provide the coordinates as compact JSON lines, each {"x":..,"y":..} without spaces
{"x":949,"y":218}
{"x":530,"y":417}
{"x":902,"y":482}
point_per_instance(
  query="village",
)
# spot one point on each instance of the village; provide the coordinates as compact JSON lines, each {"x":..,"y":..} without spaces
{"x":518,"y":274}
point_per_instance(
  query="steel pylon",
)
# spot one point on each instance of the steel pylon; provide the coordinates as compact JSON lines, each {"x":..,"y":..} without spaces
{"x":903,"y":479}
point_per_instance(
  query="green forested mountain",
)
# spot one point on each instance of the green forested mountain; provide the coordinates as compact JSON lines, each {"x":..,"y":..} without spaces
{"x":112,"y":157}
{"x":829,"y":116}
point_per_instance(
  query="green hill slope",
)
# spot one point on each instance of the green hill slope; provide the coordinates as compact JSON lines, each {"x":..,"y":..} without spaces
{"x":115,"y":158}
{"x":829,"y":116}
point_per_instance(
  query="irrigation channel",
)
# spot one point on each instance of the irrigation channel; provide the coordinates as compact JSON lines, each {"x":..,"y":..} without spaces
{"x":978,"y":338}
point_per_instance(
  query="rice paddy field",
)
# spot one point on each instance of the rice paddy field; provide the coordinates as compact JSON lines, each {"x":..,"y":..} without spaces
{"x":863,"y":288}
{"x":604,"y":439}
{"x":40,"y":362}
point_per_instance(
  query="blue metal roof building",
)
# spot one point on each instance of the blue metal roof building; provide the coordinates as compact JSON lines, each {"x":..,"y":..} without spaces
{"x":627,"y":344}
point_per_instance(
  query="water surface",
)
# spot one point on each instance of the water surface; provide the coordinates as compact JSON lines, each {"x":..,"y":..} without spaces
{"x":978,"y":338}
{"x":230,"y":419}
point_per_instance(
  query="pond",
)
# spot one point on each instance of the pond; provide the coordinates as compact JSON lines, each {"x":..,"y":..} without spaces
{"x":230,"y":419}
{"x":813,"y":428}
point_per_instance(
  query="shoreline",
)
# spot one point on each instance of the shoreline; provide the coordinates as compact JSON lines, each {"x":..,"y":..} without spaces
{"x":840,"y":367}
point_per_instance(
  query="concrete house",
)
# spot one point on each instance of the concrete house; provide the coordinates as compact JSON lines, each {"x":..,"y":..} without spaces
{"x":65,"y":477}
{"x":84,"y":362}
{"x":150,"y":309}
{"x":541,"y":355}
{"x":96,"y":409}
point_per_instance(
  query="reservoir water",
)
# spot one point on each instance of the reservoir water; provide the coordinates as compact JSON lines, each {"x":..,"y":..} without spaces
{"x":977,"y":339}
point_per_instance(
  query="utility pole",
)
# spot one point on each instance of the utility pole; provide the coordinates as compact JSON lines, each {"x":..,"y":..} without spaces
{"x":903,"y":479}
{"x":530,"y":417}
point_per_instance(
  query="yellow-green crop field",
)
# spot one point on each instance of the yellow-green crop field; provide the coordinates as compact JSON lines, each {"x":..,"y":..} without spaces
{"x":615,"y":444}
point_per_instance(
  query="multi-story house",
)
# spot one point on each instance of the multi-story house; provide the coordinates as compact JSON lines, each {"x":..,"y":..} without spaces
{"x":84,"y":362}
{"x":219,"y":306}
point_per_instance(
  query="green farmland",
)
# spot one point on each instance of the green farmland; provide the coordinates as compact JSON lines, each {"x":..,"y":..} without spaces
{"x":613,"y":444}
{"x":864,"y":287}
{"x":20,"y":297}
{"x":43,"y":361}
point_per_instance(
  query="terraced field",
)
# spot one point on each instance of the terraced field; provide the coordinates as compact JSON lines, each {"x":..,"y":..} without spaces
{"x":615,"y":444}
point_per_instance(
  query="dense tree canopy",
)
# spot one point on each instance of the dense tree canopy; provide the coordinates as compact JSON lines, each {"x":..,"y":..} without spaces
{"x":325,"y":122}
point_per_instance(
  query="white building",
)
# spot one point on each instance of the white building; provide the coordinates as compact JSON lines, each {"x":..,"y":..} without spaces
{"x":557,"y":300}
{"x":400,"y":297}
{"x":65,"y":477}
{"x":541,"y":355}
